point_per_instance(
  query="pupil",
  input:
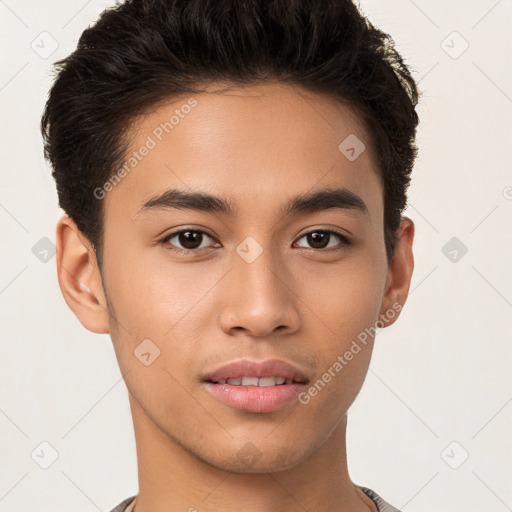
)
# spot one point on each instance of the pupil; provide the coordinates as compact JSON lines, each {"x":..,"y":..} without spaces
{"x":188,"y":239}
{"x":314,"y":239}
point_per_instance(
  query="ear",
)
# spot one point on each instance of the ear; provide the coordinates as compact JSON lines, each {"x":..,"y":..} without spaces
{"x":79,"y":277}
{"x":399,"y":274}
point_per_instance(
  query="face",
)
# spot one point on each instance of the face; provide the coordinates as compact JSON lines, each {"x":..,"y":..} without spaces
{"x":192,"y":285}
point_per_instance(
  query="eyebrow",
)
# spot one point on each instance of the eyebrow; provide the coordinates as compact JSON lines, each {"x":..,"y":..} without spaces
{"x":311,"y":202}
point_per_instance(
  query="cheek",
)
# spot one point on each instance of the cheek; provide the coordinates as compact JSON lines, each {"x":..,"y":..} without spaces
{"x":162,"y":303}
{"x":346,"y":306}
{"x":343,"y":300}
{"x":150,"y":294}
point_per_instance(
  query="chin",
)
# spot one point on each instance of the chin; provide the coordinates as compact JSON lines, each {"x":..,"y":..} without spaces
{"x":249,"y":459}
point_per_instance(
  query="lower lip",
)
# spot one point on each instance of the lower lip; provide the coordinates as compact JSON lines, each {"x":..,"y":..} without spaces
{"x":256,"y":398}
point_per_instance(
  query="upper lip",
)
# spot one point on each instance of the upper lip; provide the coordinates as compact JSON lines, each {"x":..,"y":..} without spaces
{"x":247,"y":368}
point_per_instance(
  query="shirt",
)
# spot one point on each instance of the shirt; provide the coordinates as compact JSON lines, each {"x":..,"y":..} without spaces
{"x":127,"y":504}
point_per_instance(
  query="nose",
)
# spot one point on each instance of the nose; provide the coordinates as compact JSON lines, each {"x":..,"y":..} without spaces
{"x":259,"y":298}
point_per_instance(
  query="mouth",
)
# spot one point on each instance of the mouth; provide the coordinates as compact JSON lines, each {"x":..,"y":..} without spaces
{"x":252,"y":386}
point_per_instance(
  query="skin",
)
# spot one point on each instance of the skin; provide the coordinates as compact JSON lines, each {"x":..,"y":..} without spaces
{"x":258,"y":147}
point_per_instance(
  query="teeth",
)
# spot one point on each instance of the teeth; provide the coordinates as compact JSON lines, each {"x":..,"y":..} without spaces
{"x":249,"y":381}
{"x":267,"y":381}
{"x":255,"y":381}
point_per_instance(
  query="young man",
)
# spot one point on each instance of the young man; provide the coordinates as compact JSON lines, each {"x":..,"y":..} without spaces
{"x":233,"y":175}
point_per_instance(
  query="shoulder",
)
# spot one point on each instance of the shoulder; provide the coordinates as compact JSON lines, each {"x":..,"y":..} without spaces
{"x":382,"y":505}
{"x":123,"y":505}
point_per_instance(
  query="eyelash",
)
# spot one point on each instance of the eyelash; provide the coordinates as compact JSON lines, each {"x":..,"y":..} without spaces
{"x":164,"y":241}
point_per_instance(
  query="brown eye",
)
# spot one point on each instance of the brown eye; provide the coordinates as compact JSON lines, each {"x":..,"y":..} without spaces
{"x":321,"y":239}
{"x":186,"y":240}
{"x":190,"y":239}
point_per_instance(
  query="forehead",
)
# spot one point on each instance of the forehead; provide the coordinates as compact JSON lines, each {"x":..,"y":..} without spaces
{"x":251,"y":145}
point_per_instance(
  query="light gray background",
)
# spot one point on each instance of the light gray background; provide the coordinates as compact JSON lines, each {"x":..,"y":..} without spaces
{"x":440,"y":375}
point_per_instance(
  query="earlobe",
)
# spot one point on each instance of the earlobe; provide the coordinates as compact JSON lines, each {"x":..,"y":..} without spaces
{"x":79,"y":277}
{"x":399,"y":275}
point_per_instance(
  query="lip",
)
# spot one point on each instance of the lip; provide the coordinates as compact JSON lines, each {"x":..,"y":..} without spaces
{"x":247,"y":368}
{"x":256,"y":398}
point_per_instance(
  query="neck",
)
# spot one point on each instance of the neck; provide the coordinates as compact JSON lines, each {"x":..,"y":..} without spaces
{"x":172,"y":478}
